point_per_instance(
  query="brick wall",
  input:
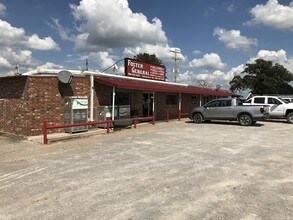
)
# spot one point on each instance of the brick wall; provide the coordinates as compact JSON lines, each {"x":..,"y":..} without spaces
{"x":27,"y":100}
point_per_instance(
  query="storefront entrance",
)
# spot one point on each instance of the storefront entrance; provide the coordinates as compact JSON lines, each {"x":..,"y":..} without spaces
{"x":147,"y":104}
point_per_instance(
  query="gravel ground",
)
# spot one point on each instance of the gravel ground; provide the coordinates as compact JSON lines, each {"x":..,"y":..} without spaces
{"x":175,"y":170}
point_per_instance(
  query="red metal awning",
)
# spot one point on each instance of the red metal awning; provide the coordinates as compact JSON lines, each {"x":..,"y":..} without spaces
{"x":156,"y":86}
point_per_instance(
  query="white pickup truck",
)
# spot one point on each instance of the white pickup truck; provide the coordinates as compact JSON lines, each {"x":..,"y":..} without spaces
{"x":278,"y":108}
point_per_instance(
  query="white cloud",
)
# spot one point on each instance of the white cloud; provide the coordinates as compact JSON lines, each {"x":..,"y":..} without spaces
{"x":230,"y":8}
{"x":2,"y":9}
{"x":273,"y":14}
{"x":212,"y":79}
{"x":63,"y":32}
{"x":208,"y":12}
{"x":104,"y":59}
{"x":234,"y":40}
{"x":209,"y":61}
{"x":16,"y":47}
{"x":49,"y":65}
{"x":14,"y":57}
{"x":16,"y":37}
{"x":233,"y":72}
{"x":161,"y":51}
{"x":36,"y":43}
{"x":4,"y":62}
{"x":196,"y":52}
{"x":275,"y":56}
{"x":112,"y":24}
{"x":188,"y":77}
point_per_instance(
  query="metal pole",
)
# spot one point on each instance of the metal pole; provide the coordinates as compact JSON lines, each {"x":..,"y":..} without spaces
{"x":153,"y":108}
{"x":148,"y":102}
{"x":179,"y":107}
{"x":113,"y":104}
{"x":153,"y":101}
{"x":45,"y":138}
{"x":200,"y":100}
{"x":180,"y":100}
{"x":92,"y":98}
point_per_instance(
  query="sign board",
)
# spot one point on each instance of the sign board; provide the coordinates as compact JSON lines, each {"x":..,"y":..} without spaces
{"x":79,"y":103}
{"x":139,"y":69}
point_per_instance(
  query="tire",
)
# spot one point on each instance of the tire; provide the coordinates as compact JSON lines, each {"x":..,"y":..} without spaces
{"x":290,"y":118}
{"x":197,"y":118}
{"x":245,"y":120}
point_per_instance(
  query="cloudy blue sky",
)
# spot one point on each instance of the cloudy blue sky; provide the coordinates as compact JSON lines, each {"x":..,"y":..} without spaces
{"x":216,"y":38}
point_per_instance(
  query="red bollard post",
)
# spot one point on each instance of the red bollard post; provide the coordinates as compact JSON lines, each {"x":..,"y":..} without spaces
{"x":45,"y":138}
{"x":167,"y":116}
{"x":153,"y":118}
{"x":134,"y":124}
{"x":179,"y":115}
{"x":108,"y":127}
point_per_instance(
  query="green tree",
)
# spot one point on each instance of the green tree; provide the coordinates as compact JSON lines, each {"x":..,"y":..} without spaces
{"x":148,"y":58}
{"x":263,"y":77}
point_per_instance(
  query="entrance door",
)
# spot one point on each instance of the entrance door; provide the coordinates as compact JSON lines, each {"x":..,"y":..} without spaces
{"x":147,"y":104}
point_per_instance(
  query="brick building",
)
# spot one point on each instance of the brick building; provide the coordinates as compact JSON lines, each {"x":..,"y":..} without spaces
{"x":27,"y":100}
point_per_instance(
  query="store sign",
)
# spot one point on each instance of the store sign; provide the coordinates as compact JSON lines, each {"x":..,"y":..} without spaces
{"x":139,"y":69}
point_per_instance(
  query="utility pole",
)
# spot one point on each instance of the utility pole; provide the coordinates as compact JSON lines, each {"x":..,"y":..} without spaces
{"x":86,"y":64}
{"x":176,"y":52}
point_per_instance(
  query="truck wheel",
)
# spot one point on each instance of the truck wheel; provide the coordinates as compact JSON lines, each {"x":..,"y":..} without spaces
{"x":290,"y":118}
{"x":245,"y":120}
{"x":197,"y":118}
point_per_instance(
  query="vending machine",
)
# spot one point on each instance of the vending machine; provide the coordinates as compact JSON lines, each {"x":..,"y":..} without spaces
{"x":75,"y":112}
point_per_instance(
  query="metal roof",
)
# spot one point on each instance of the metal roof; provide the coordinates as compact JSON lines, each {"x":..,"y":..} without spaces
{"x":158,"y":86}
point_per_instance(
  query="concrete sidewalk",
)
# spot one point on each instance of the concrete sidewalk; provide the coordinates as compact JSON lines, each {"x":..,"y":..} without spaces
{"x":91,"y":132}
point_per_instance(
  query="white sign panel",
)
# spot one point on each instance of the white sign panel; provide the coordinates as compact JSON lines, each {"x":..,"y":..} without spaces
{"x":79,"y":103}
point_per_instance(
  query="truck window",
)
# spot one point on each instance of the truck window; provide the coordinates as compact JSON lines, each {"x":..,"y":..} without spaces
{"x":213,"y":104}
{"x":225,"y":103}
{"x":240,"y":101}
{"x":274,"y":101}
{"x":260,"y":100}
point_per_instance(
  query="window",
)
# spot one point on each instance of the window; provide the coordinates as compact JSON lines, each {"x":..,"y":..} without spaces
{"x":225,"y":103}
{"x":193,"y":100}
{"x":171,"y":100}
{"x":215,"y":103}
{"x":274,"y":101}
{"x":260,"y":100}
{"x":122,"y":98}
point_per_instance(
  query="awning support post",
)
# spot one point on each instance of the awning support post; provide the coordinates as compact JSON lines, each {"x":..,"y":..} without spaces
{"x":113,"y":104}
{"x":92,"y":98}
{"x":179,"y":107}
{"x":200,"y":100}
{"x":153,"y":108}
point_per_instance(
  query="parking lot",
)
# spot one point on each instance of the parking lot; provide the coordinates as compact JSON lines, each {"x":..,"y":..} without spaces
{"x":175,"y":170}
